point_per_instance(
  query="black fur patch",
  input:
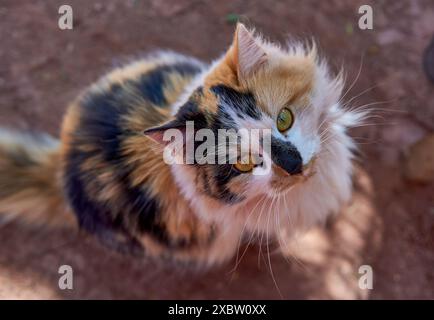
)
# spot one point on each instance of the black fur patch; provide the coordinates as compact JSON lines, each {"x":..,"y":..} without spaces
{"x":92,"y":216}
{"x":243,"y":104}
{"x":190,"y":112}
{"x":101,"y":130}
{"x":218,"y":175}
{"x":100,"y":121}
{"x":151,"y":84}
{"x":223,"y":174}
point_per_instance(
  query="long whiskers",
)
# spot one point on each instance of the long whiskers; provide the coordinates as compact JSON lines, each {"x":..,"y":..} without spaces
{"x":238,"y":259}
{"x":354,"y":81}
{"x":274,"y":197}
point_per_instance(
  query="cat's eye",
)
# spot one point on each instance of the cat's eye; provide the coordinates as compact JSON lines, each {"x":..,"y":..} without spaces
{"x":244,"y":167}
{"x":285,"y":119}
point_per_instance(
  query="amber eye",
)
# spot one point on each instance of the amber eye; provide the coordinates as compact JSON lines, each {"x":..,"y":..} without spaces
{"x":244,"y":167}
{"x":285,"y":119}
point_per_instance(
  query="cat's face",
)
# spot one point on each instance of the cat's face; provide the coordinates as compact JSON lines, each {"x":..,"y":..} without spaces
{"x":286,"y":93}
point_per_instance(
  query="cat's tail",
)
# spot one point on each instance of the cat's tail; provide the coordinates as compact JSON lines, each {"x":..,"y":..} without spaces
{"x":30,"y":186}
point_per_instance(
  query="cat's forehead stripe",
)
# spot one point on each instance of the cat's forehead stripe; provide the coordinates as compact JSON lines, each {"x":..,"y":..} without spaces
{"x":242,"y":103}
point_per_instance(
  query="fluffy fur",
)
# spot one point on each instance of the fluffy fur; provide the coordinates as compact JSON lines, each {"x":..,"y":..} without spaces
{"x":113,"y":178}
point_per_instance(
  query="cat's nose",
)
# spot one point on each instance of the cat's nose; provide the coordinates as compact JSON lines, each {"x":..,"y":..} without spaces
{"x":292,"y":164}
{"x":286,"y":156}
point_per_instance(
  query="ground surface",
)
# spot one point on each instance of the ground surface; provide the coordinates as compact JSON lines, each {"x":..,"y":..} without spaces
{"x":390,"y":223}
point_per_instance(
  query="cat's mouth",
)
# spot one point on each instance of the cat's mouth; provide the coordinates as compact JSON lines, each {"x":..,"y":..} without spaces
{"x":283,"y":182}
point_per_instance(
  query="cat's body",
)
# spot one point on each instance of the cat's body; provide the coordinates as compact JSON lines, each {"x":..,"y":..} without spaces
{"x":111,"y":171}
{"x":113,"y":178}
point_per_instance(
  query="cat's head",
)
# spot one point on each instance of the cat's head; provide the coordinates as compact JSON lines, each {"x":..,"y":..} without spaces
{"x":259,"y":85}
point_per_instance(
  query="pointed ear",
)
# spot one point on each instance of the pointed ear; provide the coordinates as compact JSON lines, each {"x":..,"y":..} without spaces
{"x":188,"y":118}
{"x":248,"y":53}
{"x":157,"y":133}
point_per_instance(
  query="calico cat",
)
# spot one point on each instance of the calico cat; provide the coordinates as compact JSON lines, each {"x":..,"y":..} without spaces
{"x":107,"y":171}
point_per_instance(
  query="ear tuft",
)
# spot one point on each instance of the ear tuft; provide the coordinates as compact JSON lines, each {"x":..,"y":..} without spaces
{"x":250,"y":55}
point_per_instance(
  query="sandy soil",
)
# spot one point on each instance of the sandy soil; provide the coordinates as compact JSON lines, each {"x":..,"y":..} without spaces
{"x":389,"y":224}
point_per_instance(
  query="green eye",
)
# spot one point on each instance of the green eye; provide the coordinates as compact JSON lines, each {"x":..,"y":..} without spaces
{"x":285,"y":119}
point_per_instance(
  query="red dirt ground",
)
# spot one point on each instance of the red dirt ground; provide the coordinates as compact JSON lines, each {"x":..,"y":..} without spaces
{"x":389,"y":225}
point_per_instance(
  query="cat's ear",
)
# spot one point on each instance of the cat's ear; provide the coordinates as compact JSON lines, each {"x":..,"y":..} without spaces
{"x":248,"y":54}
{"x":173,"y":128}
{"x":188,"y":119}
